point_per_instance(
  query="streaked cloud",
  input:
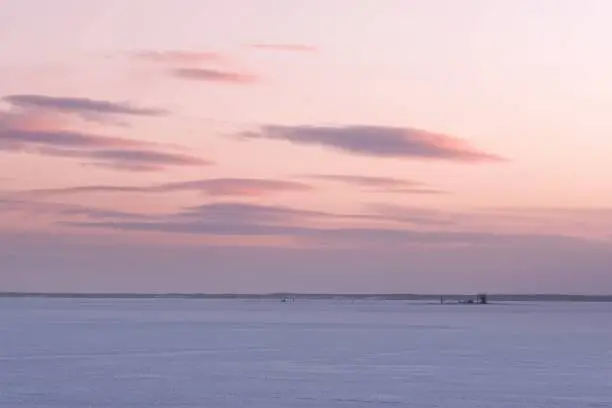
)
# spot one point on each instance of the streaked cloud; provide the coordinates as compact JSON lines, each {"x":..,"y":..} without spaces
{"x":179,"y":57}
{"x":363,"y":181}
{"x":213,"y":187}
{"x":214,"y":75}
{"x":18,"y":134}
{"x":239,"y":186}
{"x":594,"y":212}
{"x":415,"y":191}
{"x":143,"y":160}
{"x":229,"y":212}
{"x":81,"y":106}
{"x":375,"y":226}
{"x":29,"y":207}
{"x":329,"y":236}
{"x":251,"y":213}
{"x":377,"y":141}
{"x":204,"y":66}
{"x":413,"y":215}
{"x":284,"y":47}
{"x":60,"y":138}
{"x":377,"y":184}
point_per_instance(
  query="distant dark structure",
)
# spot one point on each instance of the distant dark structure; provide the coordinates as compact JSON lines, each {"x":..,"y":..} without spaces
{"x":479,"y":299}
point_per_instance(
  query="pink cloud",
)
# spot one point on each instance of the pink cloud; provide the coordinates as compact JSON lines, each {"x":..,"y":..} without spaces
{"x":284,"y":47}
{"x":213,"y":75}
{"x":43,"y":133}
{"x":212,"y":187}
{"x":198,"y":66}
{"x":377,"y":141}
{"x":80,"y":105}
{"x":376,"y":183}
{"x":179,"y":57}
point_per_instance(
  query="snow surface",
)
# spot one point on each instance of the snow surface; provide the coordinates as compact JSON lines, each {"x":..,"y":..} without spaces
{"x":312,"y":353}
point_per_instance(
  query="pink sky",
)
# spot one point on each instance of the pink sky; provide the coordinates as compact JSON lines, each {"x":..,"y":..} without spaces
{"x":313,"y":146}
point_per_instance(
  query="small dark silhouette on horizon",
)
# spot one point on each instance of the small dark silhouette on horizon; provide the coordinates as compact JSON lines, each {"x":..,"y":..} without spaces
{"x":481,"y":299}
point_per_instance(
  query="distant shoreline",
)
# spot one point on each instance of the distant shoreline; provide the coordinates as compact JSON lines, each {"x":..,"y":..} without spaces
{"x":414,"y":297}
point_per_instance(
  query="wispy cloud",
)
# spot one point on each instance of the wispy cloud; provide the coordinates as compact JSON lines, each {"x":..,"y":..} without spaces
{"x":214,"y":75}
{"x":329,"y":236}
{"x":213,"y":187}
{"x":364,"y":181}
{"x":238,"y":212}
{"x":413,"y":215}
{"x":203,"y":66}
{"x":177,"y":57}
{"x":587,"y":222}
{"x":60,"y":138}
{"x":143,"y":160}
{"x":251,"y":213}
{"x":377,"y":141}
{"x":82,"y":106}
{"x":10,"y":205}
{"x":377,"y":225}
{"x":230,"y":212}
{"x":27,"y":136}
{"x":238,"y":186}
{"x":594,"y":212}
{"x":414,"y":190}
{"x":227,"y":212}
{"x":377,"y":184}
{"x":284,"y":47}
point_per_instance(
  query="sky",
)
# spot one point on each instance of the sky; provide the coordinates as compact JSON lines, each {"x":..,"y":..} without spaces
{"x":348,"y":146}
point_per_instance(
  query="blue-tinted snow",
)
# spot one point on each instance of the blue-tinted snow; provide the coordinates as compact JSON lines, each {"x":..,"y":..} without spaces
{"x":120,"y":353}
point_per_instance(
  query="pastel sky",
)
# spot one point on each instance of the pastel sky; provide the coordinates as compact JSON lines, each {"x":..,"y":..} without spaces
{"x":416,"y":146}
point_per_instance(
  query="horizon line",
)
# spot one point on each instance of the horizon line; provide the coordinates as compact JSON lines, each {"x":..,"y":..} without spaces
{"x":311,"y":295}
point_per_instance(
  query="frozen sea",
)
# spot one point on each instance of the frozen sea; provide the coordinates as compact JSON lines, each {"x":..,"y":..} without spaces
{"x":120,"y":353}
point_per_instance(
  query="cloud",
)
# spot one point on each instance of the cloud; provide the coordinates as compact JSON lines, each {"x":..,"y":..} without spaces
{"x":213,"y":187}
{"x":115,"y":152}
{"x":582,"y":222}
{"x":237,"y":186}
{"x":377,"y":141}
{"x":81,"y":106}
{"x":213,"y":75}
{"x":229,"y":213}
{"x":377,"y":184}
{"x":60,"y":138}
{"x":413,"y":215}
{"x":187,"y":65}
{"x":8,"y":205}
{"x":416,"y":191}
{"x":328,"y":236}
{"x":428,"y":227}
{"x":400,"y":225}
{"x":143,"y":160}
{"x":240,"y":212}
{"x":594,"y":212}
{"x":284,"y":47}
{"x":250,"y":213}
{"x":179,"y":57}
{"x":364,"y":181}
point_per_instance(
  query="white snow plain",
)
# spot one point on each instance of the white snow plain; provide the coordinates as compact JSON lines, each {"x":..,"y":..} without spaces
{"x":75,"y":353}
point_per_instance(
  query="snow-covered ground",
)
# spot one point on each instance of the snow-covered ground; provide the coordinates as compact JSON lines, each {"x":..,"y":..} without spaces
{"x":73,"y":353}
